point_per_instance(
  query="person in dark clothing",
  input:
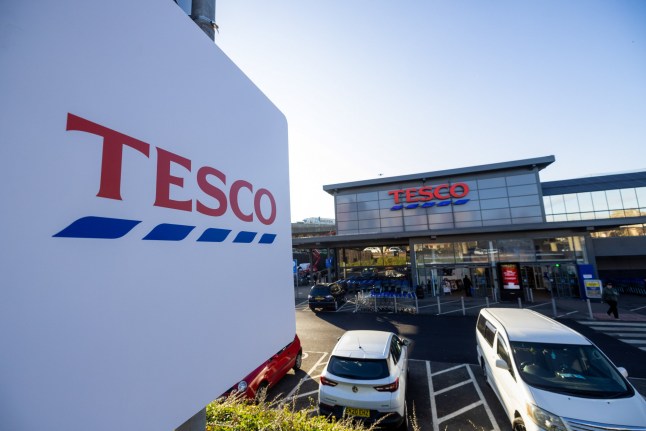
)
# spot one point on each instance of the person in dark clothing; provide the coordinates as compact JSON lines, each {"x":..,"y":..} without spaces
{"x":610,"y":296}
{"x":466,"y":282}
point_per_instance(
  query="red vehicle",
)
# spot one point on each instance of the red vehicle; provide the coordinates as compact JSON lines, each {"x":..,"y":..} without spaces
{"x":270,"y":371}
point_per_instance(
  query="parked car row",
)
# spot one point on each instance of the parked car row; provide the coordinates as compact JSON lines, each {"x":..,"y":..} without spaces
{"x":546,"y":376}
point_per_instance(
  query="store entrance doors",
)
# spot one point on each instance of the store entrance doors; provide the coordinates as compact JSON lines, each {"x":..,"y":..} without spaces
{"x":440,"y":280}
{"x":545,"y":280}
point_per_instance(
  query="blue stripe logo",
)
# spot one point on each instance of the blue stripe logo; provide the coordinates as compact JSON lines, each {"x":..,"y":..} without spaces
{"x":429,"y":204}
{"x":113,"y":228}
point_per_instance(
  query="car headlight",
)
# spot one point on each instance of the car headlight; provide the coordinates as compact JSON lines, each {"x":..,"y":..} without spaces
{"x":544,"y":419}
{"x":242,"y":386}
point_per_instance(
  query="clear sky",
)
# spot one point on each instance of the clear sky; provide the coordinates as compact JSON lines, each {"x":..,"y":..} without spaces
{"x":376,"y":88}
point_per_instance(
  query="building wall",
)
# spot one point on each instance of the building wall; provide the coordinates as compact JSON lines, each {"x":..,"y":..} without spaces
{"x":511,"y":197}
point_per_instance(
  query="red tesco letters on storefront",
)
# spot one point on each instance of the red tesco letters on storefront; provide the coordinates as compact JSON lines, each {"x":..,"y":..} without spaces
{"x":427,"y":193}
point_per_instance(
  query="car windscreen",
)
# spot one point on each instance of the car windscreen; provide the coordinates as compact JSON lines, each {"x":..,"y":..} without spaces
{"x":579,"y":370}
{"x":358,"y":369}
{"x":320,"y":290}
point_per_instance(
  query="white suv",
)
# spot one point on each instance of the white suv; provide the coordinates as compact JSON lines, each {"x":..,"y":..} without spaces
{"x":366,"y":378}
{"x":549,"y":377}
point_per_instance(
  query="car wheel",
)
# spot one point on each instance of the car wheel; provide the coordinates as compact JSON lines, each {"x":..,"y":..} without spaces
{"x":299,"y":361}
{"x":518,"y":425}
{"x":261,"y":392}
{"x":404,"y":425}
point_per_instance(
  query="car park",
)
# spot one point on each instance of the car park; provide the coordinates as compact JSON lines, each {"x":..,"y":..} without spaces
{"x":270,"y":372}
{"x":366,"y":378}
{"x":549,"y":377}
{"x":326,"y":296}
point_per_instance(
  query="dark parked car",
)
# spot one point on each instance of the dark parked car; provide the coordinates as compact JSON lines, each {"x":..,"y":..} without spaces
{"x":269,"y":372}
{"x":326,"y":296}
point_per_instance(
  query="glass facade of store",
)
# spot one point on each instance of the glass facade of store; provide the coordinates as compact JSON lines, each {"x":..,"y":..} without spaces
{"x":548,"y":265}
{"x":461,"y":230}
{"x":597,"y":205}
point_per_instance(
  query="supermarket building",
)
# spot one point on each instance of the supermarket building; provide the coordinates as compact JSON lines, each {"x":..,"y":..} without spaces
{"x":496,"y":224}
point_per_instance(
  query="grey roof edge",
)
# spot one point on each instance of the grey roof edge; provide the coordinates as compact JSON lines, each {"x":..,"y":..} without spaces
{"x":538,"y":163}
{"x":547,"y":227}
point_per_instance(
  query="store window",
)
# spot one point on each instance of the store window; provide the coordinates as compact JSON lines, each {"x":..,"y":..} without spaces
{"x":515,"y":250}
{"x":619,"y":203}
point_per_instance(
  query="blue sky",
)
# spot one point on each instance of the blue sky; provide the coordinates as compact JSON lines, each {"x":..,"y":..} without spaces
{"x":384,"y":88}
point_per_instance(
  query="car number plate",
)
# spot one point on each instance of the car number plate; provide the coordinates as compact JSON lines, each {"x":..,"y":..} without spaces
{"x":319,"y":298}
{"x":351,"y":411}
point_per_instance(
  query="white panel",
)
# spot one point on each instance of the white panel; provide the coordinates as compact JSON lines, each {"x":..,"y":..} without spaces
{"x":123,"y":333}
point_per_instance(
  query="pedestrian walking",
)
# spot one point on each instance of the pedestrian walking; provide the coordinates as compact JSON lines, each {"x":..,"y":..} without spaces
{"x":466,"y":282}
{"x":610,"y":296}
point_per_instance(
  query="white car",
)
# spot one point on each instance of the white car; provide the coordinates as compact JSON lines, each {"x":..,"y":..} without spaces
{"x":373,"y":250}
{"x":366,"y":378}
{"x":549,"y":377}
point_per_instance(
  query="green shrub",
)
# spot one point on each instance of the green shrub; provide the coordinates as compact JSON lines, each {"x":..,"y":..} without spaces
{"x":235,"y":413}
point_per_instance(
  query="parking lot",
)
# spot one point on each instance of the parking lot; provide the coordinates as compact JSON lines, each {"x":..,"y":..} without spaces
{"x":446,"y":389}
{"x":443,"y":396}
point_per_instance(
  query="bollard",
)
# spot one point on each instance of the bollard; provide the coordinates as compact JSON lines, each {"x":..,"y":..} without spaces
{"x":395,"y":304}
{"x":464,"y":312}
{"x":554,"y":306}
{"x":487,"y":298}
{"x":416,"y":305}
{"x":589,"y":309}
{"x":375,"y":303}
{"x":520,"y":304}
{"x":439,"y":307}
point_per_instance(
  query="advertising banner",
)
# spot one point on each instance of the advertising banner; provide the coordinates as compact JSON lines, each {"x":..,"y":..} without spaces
{"x":510,"y":280}
{"x":510,"y":276}
{"x":146,"y":218}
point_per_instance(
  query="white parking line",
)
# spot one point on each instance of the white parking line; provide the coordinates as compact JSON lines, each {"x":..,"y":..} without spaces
{"x":432,"y":394}
{"x":450,"y":388}
{"x":484,"y":401}
{"x":436,"y":425}
{"x":309,"y":376}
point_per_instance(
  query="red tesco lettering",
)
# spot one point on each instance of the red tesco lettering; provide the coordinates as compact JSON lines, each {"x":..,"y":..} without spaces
{"x":427,"y":193}
{"x":209,"y":180}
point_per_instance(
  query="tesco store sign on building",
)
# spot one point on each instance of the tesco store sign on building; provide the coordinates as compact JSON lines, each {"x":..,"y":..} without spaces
{"x":146,"y":226}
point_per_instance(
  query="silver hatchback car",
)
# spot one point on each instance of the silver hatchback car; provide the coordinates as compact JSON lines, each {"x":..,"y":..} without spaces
{"x":366,"y":378}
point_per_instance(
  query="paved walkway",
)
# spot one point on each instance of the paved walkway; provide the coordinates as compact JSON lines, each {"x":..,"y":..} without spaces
{"x":632,"y":308}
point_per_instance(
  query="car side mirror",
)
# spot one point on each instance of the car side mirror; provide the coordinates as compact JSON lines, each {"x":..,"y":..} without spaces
{"x":623,"y":371}
{"x":406,"y":342}
{"x":501,"y":363}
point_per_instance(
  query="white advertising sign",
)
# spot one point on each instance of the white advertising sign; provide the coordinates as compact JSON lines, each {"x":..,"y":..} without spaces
{"x":145,"y":218}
